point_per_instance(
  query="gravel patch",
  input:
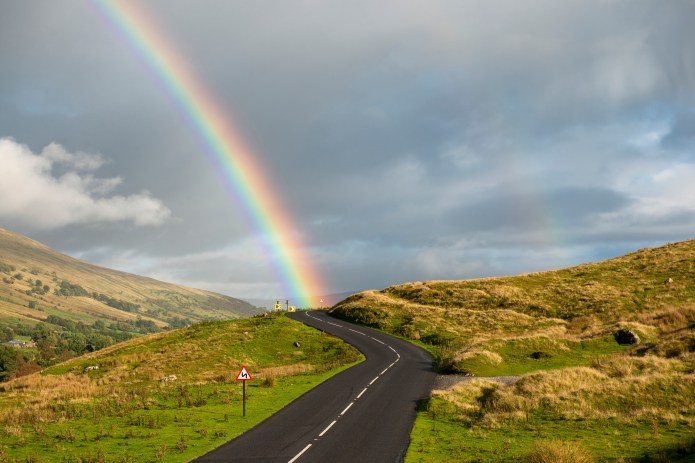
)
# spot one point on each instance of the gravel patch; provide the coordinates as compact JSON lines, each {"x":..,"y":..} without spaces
{"x":444,"y":382}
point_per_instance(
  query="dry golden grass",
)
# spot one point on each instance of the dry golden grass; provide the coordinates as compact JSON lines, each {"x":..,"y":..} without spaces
{"x":285,"y":370}
{"x":555,"y":451}
{"x":645,"y":291}
{"x":618,"y":387}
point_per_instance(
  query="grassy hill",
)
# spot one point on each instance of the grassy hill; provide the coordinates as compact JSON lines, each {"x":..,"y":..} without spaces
{"x":581,"y":396}
{"x":36,"y":281}
{"x":122,"y":411}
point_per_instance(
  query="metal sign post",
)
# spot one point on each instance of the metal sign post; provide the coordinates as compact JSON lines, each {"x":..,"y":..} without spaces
{"x":243,"y":376}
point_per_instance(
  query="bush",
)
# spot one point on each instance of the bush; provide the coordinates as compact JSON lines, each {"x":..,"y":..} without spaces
{"x":6,"y":268}
{"x":367,"y":316}
{"x":70,"y":289}
{"x":268,"y":381}
{"x":439,"y":338}
{"x":555,"y":451}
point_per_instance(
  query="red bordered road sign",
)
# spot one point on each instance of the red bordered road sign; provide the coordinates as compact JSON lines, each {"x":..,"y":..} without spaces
{"x":243,"y":375}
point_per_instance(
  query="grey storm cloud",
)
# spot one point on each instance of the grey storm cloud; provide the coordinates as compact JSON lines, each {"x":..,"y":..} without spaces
{"x":409,"y":140}
{"x":566,"y":207}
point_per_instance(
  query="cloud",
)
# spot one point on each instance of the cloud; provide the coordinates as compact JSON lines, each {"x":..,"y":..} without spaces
{"x":417,"y":140}
{"x":55,"y":188}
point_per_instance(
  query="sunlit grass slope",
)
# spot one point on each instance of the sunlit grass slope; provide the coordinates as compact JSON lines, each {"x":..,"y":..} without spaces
{"x":581,"y":396}
{"x":493,"y":326}
{"x":24,"y":262}
{"x":123,"y":412}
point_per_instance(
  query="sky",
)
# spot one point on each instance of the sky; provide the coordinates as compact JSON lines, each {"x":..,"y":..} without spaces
{"x":406,"y":140}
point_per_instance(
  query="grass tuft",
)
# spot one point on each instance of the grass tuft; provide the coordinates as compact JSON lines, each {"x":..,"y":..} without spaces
{"x":554,"y":451}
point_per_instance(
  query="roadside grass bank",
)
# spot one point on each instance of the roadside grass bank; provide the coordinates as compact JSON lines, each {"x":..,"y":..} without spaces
{"x":620,"y":409}
{"x":122,"y":412}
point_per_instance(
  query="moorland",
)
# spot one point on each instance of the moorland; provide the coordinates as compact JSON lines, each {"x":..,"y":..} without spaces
{"x":579,"y":395}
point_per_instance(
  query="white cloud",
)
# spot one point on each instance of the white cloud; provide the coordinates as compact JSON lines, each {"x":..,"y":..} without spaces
{"x":34,"y":196}
{"x":80,"y":161}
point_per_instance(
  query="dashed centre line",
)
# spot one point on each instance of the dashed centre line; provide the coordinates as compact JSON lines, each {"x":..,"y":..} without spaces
{"x":296,"y":457}
{"x":346,"y":408}
{"x":327,"y":428}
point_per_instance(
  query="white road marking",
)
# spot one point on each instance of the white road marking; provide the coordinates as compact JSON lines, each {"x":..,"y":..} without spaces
{"x":398,"y":357}
{"x":358,"y":332}
{"x":327,"y":428}
{"x":299,"y":454}
{"x":346,"y":409}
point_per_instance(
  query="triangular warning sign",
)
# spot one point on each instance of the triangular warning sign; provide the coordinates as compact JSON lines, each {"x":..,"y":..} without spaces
{"x":243,"y":375}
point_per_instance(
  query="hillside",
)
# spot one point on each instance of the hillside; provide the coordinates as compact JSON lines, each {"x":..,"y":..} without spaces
{"x":36,"y":281}
{"x":112,"y":405}
{"x":558,"y":312}
{"x":577,"y":394}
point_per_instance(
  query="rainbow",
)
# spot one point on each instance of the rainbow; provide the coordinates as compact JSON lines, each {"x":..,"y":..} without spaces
{"x":240,"y":168}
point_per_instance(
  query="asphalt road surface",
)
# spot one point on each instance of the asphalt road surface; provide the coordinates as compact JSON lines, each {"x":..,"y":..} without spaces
{"x":363,"y":414}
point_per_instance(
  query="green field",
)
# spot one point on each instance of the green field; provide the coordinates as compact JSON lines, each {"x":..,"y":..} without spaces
{"x":122,"y":412}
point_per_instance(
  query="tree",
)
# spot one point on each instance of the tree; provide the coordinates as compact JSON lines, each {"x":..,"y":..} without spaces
{"x":6,"y":334}
{"x":98,"y":341}
{"x":47,"y":351}
{"x":8,"y":362}
{"x":76,"y":343}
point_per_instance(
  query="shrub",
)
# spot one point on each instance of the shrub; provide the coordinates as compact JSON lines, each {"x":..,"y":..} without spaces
{"x":367,"y":316}
{"x":268,"y":381}
{"x":6,"y":268}
{"x":555,"y":451}
{"x":439,"y":338}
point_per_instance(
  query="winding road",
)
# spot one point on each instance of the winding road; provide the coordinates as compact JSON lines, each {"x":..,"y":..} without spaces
{"x":363,"y":414}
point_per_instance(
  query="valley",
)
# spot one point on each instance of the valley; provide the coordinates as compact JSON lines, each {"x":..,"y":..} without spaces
{"x":599,"y":361}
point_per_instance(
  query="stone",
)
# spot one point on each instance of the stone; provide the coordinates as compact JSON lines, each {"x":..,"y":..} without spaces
{"x":296,"y":344}
{"x":166,"y":379}
{"x":626,"y":337}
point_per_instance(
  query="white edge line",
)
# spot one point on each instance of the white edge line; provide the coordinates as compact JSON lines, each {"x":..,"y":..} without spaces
{"x":346,"y":409}
{"x":372,"y":382}
{"x":385,"y":370}
{"x":327,"y":428}
{"x":363,"y":391}
{"x":299,"y":454}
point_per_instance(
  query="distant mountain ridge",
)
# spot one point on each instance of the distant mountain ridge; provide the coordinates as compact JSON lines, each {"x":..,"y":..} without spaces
{"x":36,"y":282}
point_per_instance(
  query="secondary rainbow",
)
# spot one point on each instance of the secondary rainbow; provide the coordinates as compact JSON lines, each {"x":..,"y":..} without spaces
{"x":241,"y":170}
